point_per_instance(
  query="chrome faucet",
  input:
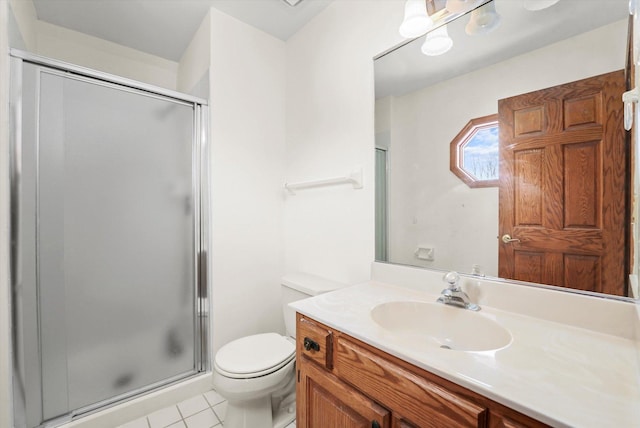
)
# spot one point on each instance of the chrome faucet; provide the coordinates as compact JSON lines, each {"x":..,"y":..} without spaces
{"x":453,"y":294}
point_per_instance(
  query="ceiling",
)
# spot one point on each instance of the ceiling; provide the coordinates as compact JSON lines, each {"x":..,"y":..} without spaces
{"x":406,"y":69}
{"x":165,"y":27}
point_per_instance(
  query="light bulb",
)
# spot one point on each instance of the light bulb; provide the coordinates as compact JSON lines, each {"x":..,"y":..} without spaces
{"x":416,"y":20}
{"x":460,"y":6}
{"x":483,"y":20}
{"x":437,"y":42}
{"x":534,"y":5}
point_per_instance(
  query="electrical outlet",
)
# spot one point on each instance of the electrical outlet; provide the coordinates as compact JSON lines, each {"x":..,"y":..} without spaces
{"x":426,"y":253}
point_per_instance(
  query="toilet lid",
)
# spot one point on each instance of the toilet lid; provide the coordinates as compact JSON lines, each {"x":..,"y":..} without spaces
{"x":255,"y":355}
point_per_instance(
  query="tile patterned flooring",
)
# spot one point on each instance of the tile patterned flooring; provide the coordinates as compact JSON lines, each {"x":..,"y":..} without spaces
{"x":202,"y":411}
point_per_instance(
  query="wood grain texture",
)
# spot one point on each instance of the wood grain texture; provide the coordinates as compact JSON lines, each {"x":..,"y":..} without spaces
{"x":400,"y":394}
{"x":529,"y":266}
{"x":582,"y":272}
{"x":529,"y":201}
{"x":424,"y":403}
{"x":398,"y":422}
{"x":631,"y":137}
{"x":331,"y":403}
{"x":529,"y":120}
{"x":564,"y":185}
{"x":576,"y":241}
{"x":502,"y":421}
{"x":322,"y":336}
{"x":582,"y":111}
{"x":582,"y":185}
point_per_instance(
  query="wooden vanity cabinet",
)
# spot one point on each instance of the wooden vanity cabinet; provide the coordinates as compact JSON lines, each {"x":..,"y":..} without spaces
{"x":332,"y":403}
{"x":328,"y":402}
{"x":343,"y":382}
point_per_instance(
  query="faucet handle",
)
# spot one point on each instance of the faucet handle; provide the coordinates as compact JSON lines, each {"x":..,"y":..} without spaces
{"x":451,"y":278}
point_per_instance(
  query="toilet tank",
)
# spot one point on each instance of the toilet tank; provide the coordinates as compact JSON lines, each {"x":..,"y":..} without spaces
{"x":298,"y":286}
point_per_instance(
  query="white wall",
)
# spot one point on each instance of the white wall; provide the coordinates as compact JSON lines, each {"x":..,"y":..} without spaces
{"x":247,"y":78}
{"x":196,"y":60}
{"x":23,"y":13}
{"x":80,"y":49}
{"x":330,"y":130}
{"x":15,"y":36}
{"x":428,"y":204}
{"x":383,"y":108}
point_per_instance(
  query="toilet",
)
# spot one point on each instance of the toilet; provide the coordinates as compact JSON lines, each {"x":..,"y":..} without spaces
{"x":256,"y":374}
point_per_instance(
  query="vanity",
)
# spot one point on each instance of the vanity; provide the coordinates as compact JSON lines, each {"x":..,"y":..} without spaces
{"x":384,"y":354}
{"x":555,"y":344}
{"x":337,"y":379}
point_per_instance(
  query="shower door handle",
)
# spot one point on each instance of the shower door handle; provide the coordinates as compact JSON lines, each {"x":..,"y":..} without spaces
{"x":15,"y":173}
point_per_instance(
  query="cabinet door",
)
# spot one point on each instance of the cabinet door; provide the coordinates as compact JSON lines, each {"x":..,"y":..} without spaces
{"x":512,"y":420}
{"x":401,"y":423}
{"x":324,"y":401}
{"x":410,"y":396}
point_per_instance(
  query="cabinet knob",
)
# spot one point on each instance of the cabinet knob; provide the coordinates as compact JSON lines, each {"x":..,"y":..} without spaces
{"x":375,"y":424}
{"x":311,"y":345}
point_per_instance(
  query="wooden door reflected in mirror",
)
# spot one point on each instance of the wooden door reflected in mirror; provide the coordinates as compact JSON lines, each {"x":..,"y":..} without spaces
{"x":563,"y":192}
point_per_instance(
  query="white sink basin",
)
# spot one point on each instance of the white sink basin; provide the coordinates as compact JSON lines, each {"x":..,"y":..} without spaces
{"x":420,"y":324}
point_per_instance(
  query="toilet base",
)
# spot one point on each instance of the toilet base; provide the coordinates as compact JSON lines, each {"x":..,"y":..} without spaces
{"x":286,"y":411}
{"x":251,"y":413}
{"x":284,"y":419}
{"x":259,"y":413}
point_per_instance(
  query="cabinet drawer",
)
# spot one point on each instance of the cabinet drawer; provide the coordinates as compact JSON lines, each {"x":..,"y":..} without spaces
{"x":418,"y":401}
{"x":314,"y":341}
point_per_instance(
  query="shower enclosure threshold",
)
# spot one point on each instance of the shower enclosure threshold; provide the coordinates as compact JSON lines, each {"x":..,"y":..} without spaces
{"x":114,"y":413}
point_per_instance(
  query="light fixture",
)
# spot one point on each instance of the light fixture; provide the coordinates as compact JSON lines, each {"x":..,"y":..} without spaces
{"x":437,"y":42}
{"x":292,"y":2}
{"x":538,"y":4}
{"x":416,"y":20}
{"x":460,"y":6}
{"x":483,"y":20}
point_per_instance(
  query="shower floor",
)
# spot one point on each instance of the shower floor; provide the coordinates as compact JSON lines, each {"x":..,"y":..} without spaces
{"x":202,"y":411}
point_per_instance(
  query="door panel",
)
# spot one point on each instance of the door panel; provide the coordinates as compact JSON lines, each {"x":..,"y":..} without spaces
{"x":563,"y":189}
{"x":582,"y":270}
{"x":328,"y":402}
{"x":581,"y":185}
{"x":110,"y":214}
{"x":530,"y":265}
{"x":529,"y":164}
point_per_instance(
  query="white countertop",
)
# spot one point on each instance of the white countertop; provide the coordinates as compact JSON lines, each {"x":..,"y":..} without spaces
{"x":560,"y":374}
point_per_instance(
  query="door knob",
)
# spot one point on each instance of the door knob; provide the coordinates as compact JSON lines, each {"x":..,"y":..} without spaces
{"x":507,"y":239}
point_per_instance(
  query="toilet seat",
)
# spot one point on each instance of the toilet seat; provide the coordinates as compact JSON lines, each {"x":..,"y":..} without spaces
{"x":254,"y":356}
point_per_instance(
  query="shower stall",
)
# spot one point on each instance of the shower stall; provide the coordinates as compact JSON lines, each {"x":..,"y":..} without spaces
{"x":108,"y":231}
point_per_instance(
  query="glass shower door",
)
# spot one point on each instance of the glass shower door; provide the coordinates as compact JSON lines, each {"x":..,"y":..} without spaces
{"x":112,"y":176}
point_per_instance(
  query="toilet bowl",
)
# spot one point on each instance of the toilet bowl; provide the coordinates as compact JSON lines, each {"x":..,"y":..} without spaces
{"x":256,"y":374}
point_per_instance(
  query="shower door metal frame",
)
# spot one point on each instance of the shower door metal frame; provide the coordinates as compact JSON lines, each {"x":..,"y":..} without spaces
{"x":200,"y":230}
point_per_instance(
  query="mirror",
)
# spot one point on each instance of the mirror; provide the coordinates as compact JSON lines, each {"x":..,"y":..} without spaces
{"x":426,"y":215}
